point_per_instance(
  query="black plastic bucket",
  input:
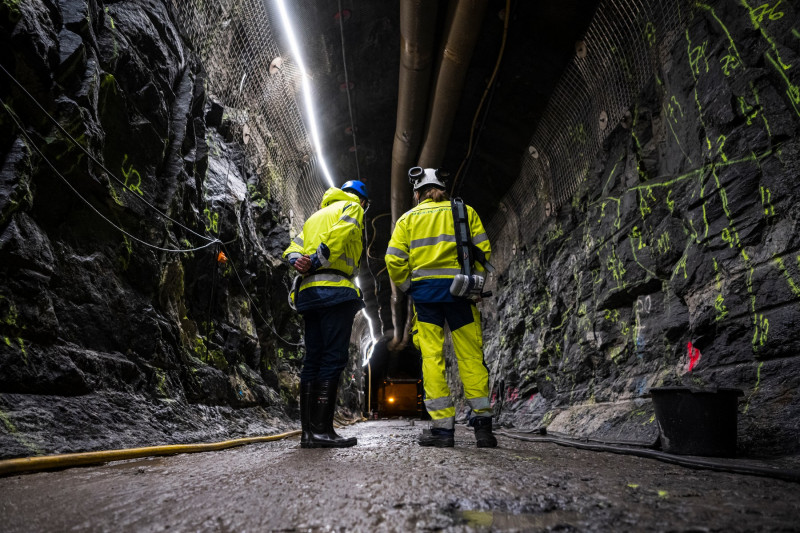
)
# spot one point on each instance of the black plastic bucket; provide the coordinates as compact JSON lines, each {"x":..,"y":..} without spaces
{"x":697,"y":422}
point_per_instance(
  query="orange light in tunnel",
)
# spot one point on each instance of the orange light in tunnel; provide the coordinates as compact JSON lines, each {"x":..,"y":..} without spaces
{"x":391,"y":399}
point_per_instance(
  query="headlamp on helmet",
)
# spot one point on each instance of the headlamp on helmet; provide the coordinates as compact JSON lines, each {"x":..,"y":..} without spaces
{"x":422,"y":177}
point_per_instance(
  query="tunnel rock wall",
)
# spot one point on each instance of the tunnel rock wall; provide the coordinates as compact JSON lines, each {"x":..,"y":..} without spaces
{"x":107,"y":339}
{"x":677,"y":261}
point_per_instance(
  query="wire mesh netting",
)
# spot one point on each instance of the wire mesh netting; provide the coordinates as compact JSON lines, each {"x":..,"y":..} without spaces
{"x":622,"y":48}
{"x":259,"y":87}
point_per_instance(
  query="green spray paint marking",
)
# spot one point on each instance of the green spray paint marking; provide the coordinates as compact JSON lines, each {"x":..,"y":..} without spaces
{"x":696,"y":54}
{"x":733,"y":60}
{"x":613,"y":169}
{"x":758,"y":103}
{"x":752,"y":158}
{"x":719,"y":302}
{"x":636,"y":233}
{"x":603,"y":203}
{"x":650,"y":34}
{"x":757,"y":18}
{"x":766,"y":201}
{"x":786,"y":274}
{"x":792,"y":91}
{"x":681,"y":264}
{"x":212,"y":220}
{"x":723,"y":195}
{"x":669,"y":110}
{"x":636,"y":259}
{"x":796,"y":33}
{"x":755,"y":388}
{"x":115,"y":196}
{"x":749,"y":112}
{"x":611,"y":315}
{"x":663,"y":243}
{"x":23,"y":350}
{"x":616,"y":267}
{"x":132,"y":173}
{"x":762,"y":329}
{"x":113,"y":32}
{"x":10,"y":427}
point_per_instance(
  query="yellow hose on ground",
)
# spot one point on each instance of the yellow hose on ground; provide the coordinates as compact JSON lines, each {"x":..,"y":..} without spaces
{"x":67,"y":460}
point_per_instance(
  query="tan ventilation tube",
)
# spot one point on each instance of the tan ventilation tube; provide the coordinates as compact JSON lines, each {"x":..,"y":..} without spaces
{"x":417,"y":31}
{"x":464,"y":19}
{"x":464,"y":23}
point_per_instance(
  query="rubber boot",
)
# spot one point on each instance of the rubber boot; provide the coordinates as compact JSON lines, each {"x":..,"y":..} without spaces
{"x":483,"y":432}
{"x":438,"y":437}
{"x":322,"y":434}
{"x":306,"y":400}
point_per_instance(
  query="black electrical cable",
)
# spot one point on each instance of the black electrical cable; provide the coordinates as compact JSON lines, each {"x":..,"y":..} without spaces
{"x":253,"y":304}
{"x":681,"y":460}
{"x":87,"y":202}
{"x":93,"y":158}
{"x":100,"y":165}
{"x":211,"y":301}
{"x":347,"y":88}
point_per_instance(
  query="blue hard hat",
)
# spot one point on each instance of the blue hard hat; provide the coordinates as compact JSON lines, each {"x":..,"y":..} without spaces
{"x":357,"y":187}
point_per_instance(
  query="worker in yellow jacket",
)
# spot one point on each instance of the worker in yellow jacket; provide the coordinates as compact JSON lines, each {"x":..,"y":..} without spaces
{"x":422,"y":261}
{"x":327,"y":253}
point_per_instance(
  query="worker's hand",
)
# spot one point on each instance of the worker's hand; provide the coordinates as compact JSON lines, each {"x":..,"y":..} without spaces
{"x":303,"y":264}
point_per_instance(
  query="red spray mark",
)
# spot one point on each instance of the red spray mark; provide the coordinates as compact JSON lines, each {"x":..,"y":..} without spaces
{"x":694,"y":355}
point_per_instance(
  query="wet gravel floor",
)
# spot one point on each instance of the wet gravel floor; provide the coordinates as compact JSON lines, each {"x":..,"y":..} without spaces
{"x":389,"y":483}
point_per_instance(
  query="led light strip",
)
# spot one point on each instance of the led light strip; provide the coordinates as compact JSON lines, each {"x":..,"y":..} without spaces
{"x":310,"y":111}
{"x":315,"y":133}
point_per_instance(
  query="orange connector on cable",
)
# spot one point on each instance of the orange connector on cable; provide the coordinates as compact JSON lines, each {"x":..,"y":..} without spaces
{"x":222,"y":258}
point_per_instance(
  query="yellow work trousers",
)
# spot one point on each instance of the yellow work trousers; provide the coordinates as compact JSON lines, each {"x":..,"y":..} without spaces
{"x":464,"y":321}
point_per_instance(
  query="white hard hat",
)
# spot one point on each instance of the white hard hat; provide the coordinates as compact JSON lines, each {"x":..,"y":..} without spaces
{"x":421,"y":177}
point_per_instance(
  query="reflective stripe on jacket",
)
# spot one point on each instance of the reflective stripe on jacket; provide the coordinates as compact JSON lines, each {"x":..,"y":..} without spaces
{"x":423,"y":244}
{"x":334,"y":233}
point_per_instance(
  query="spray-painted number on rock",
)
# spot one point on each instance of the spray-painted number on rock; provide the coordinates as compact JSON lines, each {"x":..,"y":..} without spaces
{"x":212,"y":220}
{"x":132,"y":175}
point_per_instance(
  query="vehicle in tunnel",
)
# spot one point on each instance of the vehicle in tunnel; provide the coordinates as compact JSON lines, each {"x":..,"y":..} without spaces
{"x":393,"y":383}
{"x":401,"y":397}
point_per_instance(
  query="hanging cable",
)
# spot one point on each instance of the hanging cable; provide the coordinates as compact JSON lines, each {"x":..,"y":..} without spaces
{"x":374,"y":234}
{"x":93,"y":208}
{"x":485,"y":92}
{"x":94,"y":159}
{"x":211,"y":302}
{"x":347,"y":87}
{"x":254,"y":305}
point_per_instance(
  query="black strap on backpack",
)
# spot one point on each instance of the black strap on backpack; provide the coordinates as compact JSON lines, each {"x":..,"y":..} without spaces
{"x":467,"y":251}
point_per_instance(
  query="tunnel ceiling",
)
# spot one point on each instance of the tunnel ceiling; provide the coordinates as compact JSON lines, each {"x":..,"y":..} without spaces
{"x":541,"y":40}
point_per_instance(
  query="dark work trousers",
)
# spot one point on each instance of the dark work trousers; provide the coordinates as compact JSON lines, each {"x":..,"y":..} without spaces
{"x":328,"y":340}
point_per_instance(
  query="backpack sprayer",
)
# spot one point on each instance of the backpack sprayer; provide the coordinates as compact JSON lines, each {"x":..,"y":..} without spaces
{"x":466,"y":284}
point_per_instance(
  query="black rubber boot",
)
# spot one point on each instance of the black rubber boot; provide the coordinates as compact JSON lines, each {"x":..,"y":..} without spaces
{"x":322,"y":434}
{"x":483,"y":432}
{"x":438,"y":437}
{"x":306,"y":401}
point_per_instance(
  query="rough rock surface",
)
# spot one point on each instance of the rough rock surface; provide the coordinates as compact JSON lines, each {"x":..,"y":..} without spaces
{"x":677,"y":262}
{"x":109,"y":337}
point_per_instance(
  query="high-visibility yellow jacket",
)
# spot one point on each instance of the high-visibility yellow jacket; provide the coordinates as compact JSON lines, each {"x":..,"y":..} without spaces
{"x":332,"y":237}
{"x":422,"y":257}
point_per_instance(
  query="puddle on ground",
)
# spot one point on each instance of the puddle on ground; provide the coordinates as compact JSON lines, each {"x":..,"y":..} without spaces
{"x":501,"y":520}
